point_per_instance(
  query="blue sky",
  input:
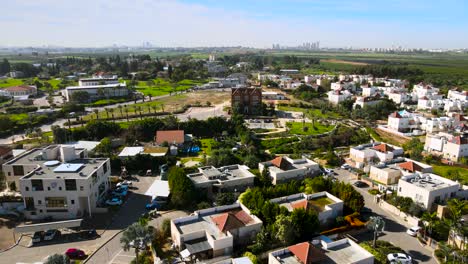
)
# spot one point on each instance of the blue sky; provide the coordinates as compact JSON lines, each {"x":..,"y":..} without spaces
{"x":255,"y":23}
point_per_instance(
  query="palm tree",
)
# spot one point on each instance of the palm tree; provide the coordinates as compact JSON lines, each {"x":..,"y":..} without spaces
{"x":445,"y":250}
{"x":457,"y":208}
{"x":111,"y":110}
{"x":150,"y":96}
{"x":126,"y":111}
{"x":162,"y":107}
{"x":149,"y":108}
{"x":107,"y":112}
{"x":376,"y":224}
{"x":429,"y":220}
{"x":97,"y":113}
{"x":136,"y":236}
{"x":155,"y":108}
{"x":138,"y":109}
{"x":120,"y":109}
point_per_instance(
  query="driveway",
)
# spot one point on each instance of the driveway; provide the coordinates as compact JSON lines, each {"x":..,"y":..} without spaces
{"x":395,"y":228}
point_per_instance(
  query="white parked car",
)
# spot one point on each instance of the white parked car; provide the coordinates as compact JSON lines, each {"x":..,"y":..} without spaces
{"x":345,"y":166}
{"x":399,"y":258}
{"x":413,"y":231}
{"x":125,"y":183}
{"x":51,"y":234}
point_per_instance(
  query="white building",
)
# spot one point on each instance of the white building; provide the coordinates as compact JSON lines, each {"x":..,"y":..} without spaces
{"x":407,"y":122}
{"x":457,"y":95}
{"x":398,"y":97}
{"x":283,"y":169}
{"x":323,"y":251}
{"x":273,"y":96}
{"x":59,"y":181}
{"x":327,"y":206}
{"x":422,"y":90}
{"x":374,"y":153}
{"x":98,"y":80}
{"x":232,"y":177}
{"x":336,"y":97}
{"x":214,"y":232}
{"x":362,"y":101}
{"x":342,"y":85}
{"x":456,"y":148}
{"x":98,"y":91}
{"x":21,"y":90}
{"x":427,"y":189}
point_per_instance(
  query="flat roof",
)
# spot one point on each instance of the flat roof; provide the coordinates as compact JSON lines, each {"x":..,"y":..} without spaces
{"x":345,"y":253}
{"x":130,"y":151}
{"x":428,"y":181}
{"x":158,"y":188}
{"x":123,"y":85}
{"x":226,"y":173}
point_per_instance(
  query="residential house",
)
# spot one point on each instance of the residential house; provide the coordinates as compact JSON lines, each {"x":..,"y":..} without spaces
{"x":214,"y":180}
{"x":172,"y":137}
{"x":327,"y":206}
{"x":456,"y":148}
{"x":363,"y":101}
{"x":283,"y":169}
{"x":457,"y":95}
{"x":273,"y":96}
{"x":386,"y":174}
{"x":337,"y":96}
{"x":427,"y":189}
{"x":59,"y":182}
{"x":214,"y":232}
{"x":323,"y":251}
{"x":21,"y":90}
{"x":376,"y":152}
{"x":247,"y":100}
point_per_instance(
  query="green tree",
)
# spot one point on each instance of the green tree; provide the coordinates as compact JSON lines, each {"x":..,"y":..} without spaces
{"x":414,"y":148}
{"x":225,"y":198}
{"x":57,"y":259}
{"x":305,"y":222}
{"x":183,"y":193}
{"x":265,"y":179}
{"x":80,"y":97}
{"x":376,"y":224}
{"x":6,"y":123}
{"x":429,"y":219}
{"x":284,"y":229}
{"x":105,"y":147}
{"x":136,"y":236}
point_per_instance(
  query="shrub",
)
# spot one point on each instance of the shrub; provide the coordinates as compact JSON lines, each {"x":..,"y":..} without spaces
{"x":373,"y":191}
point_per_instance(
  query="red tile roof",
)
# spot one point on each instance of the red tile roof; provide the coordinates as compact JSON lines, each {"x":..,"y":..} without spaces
{"x":280,"y":162}
{"x":459,"y":140}
{"x":307,"y":253}
{"x":20,"y":88}
{"x":410,"y":166}
{"x":231,"y":220}
{"x":170,"y":136}
{"x":383,"y":148}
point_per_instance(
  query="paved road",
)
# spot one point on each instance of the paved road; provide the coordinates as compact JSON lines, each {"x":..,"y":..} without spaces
{"x":395,"y":227}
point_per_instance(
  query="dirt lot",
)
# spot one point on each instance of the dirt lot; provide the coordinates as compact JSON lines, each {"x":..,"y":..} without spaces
{"x":346,"y":62}
{"x":392,"y":138}
{"x":6,"y":232}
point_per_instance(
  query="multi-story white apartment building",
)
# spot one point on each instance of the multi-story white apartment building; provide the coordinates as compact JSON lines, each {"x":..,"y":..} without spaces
{"x":457,"y":95}
{"x":98,"y":80}
{"x":456,"y":148}
{"x":423,"y":90}
{"x":327,"y":206}
{"x":398,"y":97}
{"x":232,"y":177}
{"x":427,"y":189}
{"x":283,"y":169}
{"x":336,"y":97}
{"x":214,"y":232}
{"x":59,"y":181}
{"x":365,"y":154}
{"x":343,"y":251}
{"x":406,"y":122}
{"x":342,"y":85}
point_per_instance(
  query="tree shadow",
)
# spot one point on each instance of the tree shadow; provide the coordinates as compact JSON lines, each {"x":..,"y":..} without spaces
{"x":416,"y":255}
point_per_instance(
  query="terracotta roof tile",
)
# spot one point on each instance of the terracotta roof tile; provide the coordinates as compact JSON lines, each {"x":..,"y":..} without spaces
{"x":383,"y":148}
{"x":170,"y":136}
{"x":231,"y":220}
{"x":307,"y":253}
{"x":395,"y":114}
{"x":410,"y":166}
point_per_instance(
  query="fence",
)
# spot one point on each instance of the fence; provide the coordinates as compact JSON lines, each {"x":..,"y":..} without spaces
{"x":413,"y":221}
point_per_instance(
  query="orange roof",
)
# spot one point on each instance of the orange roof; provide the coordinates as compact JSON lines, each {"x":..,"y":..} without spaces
{"x":410,"y":166}
{"x":19,"y":88}
{"x":170,"y":136}
{"x":307,"y":253}
{"x":395,"y":114}
{"x":304,"y":204}
{"x":383,"y":148}
{"x":280,"y":162}
{"x":231,"y":220}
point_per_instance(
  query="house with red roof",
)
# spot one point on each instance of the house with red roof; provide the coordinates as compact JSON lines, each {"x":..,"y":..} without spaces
{"x":327,"y":206}
{"x":213,"y":232}
{"x":283,"y":169}
{"x":449,"y":146}
{"x":322,"y":251}
{"x":365,"y":154}
{"x":21,"y":90}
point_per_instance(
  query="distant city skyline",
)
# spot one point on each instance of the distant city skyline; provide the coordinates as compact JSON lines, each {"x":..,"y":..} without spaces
{"x":255,"y":23}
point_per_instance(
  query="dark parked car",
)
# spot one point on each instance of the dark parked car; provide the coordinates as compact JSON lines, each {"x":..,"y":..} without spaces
{"x":89,"y":234}
{"x":360,"y":184}
{"x":38,"y":237}
{"x":74,"y":253}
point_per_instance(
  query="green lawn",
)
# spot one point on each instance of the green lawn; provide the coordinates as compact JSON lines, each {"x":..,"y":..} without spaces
{"x":320,"y":203}
{"x":10,"y":82}
{"x":316,"y":129}
{"x":158,"y":87}
{"x":18,"y":117}
{"x":316,"y":113}
{"x":452,"y":172}
{"x":206,"y":144}
{"x":108,"y":101}
{"x":383,"y":248}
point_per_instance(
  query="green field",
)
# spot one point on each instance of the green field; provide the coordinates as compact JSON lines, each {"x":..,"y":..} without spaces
{"x":206,"y":145}
{"x":10,"y":82}
{"x":158,"y":87}
{"x":296,"y":128}
{"x":316,"y":113}
{"x":452,"y":172}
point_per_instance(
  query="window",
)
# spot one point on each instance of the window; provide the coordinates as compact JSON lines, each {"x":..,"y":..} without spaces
{"x":72,"y":201}
{"x":105,"y":168}
{"x":39,"y":202}
{"x":37,"y":185}
{"x":81,"y":188}
{"x":399,"y":190}
{"x":56,"y":202}
{"x":60,"y":188}
{"x":48,"y":188}
{"x":70,"y":185}
{"x":27,"y":189}
{"x":29,"y":201}
{"x":18,"y":170}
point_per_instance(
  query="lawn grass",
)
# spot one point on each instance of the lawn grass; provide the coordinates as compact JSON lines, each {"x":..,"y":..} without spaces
{"x":108,"y":101}
{"x":10,"y":82}
{"x":206,"y":145}
{"x":18,"y":117}
{"x":320,"y":203}
{"x":382,"y":249}
{"x":452,"y":172}
{"x":310,"y":112}
{"x":296,"y":128}
{"x":158,"y":87}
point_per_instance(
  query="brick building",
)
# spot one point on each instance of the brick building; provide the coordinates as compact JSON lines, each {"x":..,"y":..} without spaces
{"x":247,"y":100}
